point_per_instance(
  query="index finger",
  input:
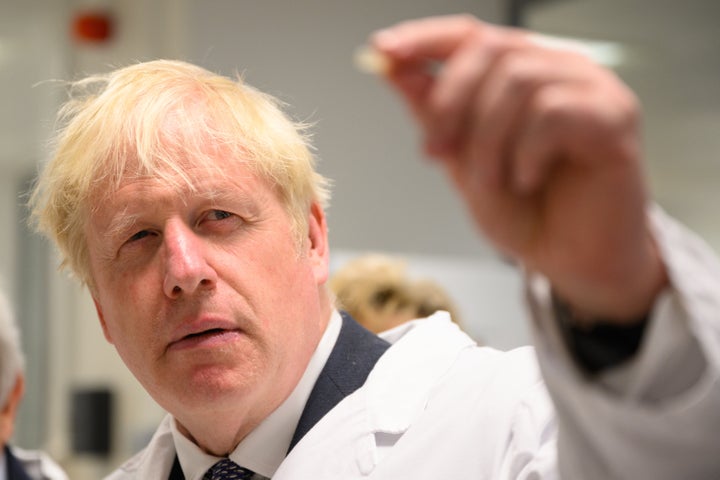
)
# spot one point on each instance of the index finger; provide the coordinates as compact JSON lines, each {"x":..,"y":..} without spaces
{"x":432,"y":38}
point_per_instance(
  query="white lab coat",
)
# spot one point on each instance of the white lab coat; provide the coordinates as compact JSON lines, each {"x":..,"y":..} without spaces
{"x":418,"y":416}
{"x":658,"y":417}
{"x":437,"y":406}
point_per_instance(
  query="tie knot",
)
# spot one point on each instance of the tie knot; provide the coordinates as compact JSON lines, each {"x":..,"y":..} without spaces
{"x":226,"y":469}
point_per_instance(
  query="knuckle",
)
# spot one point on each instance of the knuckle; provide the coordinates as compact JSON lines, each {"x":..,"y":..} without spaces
{"x":552,"y":106}
{"x":468,"y":22}
{"x":517,"y":70}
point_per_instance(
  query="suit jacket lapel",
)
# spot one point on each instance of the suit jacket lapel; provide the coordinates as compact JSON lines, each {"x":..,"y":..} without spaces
{"x":352,"y":359}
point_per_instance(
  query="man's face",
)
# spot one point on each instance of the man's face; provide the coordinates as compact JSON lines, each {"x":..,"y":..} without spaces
{"x":205,"y":294}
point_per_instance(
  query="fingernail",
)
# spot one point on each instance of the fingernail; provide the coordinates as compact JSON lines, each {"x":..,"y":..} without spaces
{"x":524,"y":183}
{"x":386,"y":40}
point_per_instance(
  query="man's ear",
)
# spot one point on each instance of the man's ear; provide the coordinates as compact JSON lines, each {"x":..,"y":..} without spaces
{"x":101,"y":317}
{"x":9,"y":410}
{"x":318,"y":251}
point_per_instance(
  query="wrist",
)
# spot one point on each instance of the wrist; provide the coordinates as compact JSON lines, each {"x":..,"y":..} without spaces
{"x":623,"y":294}
{"x":597,"y":344}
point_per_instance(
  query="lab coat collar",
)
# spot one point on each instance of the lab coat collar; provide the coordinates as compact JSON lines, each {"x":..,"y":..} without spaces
{"x":369,"y":422}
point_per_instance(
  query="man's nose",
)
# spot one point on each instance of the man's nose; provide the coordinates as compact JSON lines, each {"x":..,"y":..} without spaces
{"x":186,"y":265}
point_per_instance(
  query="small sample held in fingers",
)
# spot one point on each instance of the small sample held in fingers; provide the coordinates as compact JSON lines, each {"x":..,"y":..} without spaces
{"x":369,"y":60}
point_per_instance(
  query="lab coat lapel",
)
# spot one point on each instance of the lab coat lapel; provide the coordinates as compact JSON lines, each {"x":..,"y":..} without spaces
{"x":351,"y":439}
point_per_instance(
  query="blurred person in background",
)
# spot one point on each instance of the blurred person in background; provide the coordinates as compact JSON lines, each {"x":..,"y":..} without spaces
{"x":377,"y":291}
{"x":17,"y":463}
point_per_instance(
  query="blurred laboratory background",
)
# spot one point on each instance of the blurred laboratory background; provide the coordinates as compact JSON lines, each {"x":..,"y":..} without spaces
{"x":81,"y":404}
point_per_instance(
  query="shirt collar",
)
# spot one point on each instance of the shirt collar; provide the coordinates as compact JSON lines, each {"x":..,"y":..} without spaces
{"x":264,"y":449}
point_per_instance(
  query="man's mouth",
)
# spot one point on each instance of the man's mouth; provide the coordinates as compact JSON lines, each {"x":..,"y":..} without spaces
{"x":212,"y":331}
{"x":210,"y":338}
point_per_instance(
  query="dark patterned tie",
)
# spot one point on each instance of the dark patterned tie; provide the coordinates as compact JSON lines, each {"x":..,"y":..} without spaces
{"x":226,"y":469}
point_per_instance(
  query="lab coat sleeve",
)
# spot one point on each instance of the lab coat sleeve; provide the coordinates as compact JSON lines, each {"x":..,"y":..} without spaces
{"x":658,"y":415}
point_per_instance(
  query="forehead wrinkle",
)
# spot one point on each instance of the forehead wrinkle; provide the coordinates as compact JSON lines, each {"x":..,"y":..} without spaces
{"x":224,"y":189}
{"x":220,"y":195}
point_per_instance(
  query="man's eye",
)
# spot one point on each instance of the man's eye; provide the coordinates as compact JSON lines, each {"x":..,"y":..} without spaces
{"x":218,"y":215}
{"x":139,"y":235}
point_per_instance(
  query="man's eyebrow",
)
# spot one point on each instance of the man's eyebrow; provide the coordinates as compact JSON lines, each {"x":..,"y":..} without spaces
{"x":121,"y":222}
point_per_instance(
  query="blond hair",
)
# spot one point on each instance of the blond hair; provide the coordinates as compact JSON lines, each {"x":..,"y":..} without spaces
{"x":377,"y":291}
{"x":115,"y":126}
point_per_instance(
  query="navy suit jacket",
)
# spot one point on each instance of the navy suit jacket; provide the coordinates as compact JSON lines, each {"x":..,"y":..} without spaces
{"x":352,"y":359}
{"x":15,"y":469}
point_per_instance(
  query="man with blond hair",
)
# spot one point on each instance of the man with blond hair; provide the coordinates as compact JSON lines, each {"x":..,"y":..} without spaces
{"x":191,"y":208}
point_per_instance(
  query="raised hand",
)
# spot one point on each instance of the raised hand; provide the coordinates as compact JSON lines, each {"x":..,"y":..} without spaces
{"x":544,"y":147}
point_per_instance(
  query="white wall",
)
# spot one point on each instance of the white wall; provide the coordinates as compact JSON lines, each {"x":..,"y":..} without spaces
{"x":386,"y":194}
